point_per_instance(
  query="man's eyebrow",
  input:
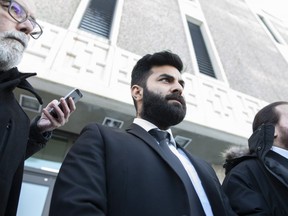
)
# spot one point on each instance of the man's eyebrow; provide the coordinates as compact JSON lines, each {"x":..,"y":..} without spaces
{"x":181,"y":81}
{"x":166,"y":76}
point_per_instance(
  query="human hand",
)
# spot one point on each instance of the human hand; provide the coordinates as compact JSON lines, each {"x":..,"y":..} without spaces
{"x":48,"y":123}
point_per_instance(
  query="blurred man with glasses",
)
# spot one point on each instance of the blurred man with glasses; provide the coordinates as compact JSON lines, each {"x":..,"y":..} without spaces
{"x":19,"y":138}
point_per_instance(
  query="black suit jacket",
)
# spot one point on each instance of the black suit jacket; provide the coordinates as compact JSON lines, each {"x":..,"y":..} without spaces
{"x":115,"y":173}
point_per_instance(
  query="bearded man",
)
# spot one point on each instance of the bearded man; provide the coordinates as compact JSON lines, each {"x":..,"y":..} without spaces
{"x":256,"y":175}
{"x":141,"y":171}
{"x":18,"y":138}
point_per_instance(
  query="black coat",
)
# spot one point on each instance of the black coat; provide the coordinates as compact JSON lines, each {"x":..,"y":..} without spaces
{"x":17,"y":141}
{"x":114,"y":173}
{"x":257,"y":183}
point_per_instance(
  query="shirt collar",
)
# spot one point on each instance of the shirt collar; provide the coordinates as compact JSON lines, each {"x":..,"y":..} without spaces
{"x":281,"y":151}
{"x":146,"y":125}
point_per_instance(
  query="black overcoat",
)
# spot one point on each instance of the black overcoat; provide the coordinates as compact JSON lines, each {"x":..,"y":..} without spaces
{"x":115,"y":173}
{"x":15,"y":135}
{"x":257,"y":183}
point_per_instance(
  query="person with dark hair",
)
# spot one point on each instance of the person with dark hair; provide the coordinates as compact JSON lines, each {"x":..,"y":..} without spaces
{"x":141,"y":171}
{"x":19,"y":139}
{"x":256,"y":179}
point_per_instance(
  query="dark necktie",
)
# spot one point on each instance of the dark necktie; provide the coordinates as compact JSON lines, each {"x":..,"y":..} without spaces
{"x":163,"y":138}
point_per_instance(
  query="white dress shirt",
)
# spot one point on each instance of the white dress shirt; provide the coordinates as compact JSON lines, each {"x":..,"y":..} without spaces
{"x":186,"y":163}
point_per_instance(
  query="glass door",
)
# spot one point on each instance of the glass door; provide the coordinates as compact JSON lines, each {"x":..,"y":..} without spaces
{"x":36,"y":192}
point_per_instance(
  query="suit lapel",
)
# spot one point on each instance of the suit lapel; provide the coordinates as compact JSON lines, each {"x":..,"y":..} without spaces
{"x":142,"y":134}
{"x":209,"y":181}
{"x":150,"y":141}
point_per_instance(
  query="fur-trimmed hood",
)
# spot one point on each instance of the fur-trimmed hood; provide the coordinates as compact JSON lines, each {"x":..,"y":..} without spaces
{"x":234,"y":155}
{"x":235,"y":152}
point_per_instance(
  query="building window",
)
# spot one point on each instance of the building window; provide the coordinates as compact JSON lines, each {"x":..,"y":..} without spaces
{"x":200,"y":49}
{"x":98,"y":17}
{"x":270,"y":29}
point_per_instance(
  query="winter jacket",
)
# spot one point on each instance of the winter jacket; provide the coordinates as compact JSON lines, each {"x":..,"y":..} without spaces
{"x":257,"y":182}
{"x":18,"y":139}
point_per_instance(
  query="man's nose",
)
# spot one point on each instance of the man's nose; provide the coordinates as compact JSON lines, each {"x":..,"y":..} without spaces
{"x":25,"y":27}
{"x":177,"y":87}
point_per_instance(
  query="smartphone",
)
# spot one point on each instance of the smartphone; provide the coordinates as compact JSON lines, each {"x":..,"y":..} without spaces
{"x":76,"y":96}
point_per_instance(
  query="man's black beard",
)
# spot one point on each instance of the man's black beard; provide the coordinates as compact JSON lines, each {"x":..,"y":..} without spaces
{"x":158,"y":111}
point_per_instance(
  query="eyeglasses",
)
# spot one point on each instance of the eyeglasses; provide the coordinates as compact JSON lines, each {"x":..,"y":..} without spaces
{"x":20,"y":15}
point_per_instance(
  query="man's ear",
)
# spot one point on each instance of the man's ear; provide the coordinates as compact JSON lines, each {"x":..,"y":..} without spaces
{"x":137,"y":92}
{"x":275,"y":132}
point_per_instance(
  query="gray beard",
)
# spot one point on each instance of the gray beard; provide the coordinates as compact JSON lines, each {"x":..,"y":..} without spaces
{"x":11,"y":51}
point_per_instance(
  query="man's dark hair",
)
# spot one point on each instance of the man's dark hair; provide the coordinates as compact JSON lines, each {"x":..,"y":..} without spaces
{"x":142,"y":69}
{"x":268,"y":114}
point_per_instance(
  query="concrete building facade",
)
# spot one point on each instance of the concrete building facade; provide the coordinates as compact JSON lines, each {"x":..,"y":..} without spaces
{"x":235,"y":56}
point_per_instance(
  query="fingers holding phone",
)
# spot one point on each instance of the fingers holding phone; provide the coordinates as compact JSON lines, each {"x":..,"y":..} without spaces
{"x":65,"y":107}
{"x":61,"y":110}
{"x":57,"y":113}
{"x":68,"y":106}
{"x":47,"y":121}
{"x":71,"y":99}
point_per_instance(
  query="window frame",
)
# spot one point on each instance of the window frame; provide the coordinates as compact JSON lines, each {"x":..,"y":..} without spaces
{"x":114,"y":28}
{"x":191,"y":12}
{"x":265,"y":20}
{"x":204,"y":50}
